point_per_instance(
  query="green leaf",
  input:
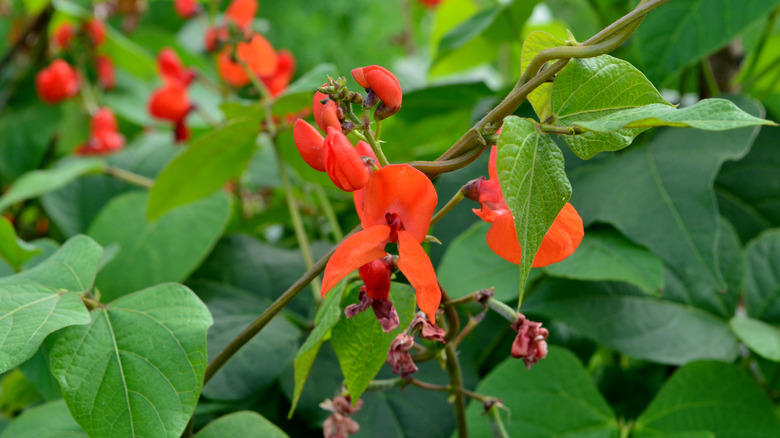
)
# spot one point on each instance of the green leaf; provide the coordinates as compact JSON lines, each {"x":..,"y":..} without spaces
{"x":51,"y":420}
{"x":129,"y":56}
{"x":204,"y":167}
{"x":556,"y":397}
{"x":531,"y":171}
{"x":608,"y":256}
{"x":623,"y":318}
{"x":683,"y":32}
{"x":759,"y":336}
{"x":707,"y":114}
{"x":39,"y":182}
{"x":151,"y":253}
{"x":327,"y":317}
{"x":360,"y":344}
{"x":467,"y":31}
{"x":748,"y":189}
{"x":245,"y":424}
{"x":13,"y":250}
{"x":469,"y":265}
{"x":709,"y":396}
{"x":26,"y":136}
{"x":593,"y":88}
{"x":541,"y":97}
{"x":660,"y":196}
{"x":762,"y":277}
{"x":137,"y":368}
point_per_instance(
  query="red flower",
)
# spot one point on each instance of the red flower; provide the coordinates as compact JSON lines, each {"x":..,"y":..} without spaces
{"x":376,"y":277}
{"x":399,"y":204}
{"x":96,"y":30}
{"x":563,"y":237}
{"x":342,"y":163}
{"x":171,"y":69}
{"x":430,"y":3}
{"x":383,"y":83}
{"x":285,"y":67}
{"x":242,"y":12}
{"x":64,"y":35}
{"x":214,"y":37}
{"x":104,"y":135}
{"x":105,"y":72}
{"x":186,"y":8}
{"x":326,"y":115}
{"x":258,"y":54}
{"x":171,"y":103}
{"x":57,"y":82}
{"x":309,"y":142}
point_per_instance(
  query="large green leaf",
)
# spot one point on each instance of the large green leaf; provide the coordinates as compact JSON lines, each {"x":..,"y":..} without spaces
{"x":150,"y":253}
{"x":360,"y":344}
{"x":12,"y":249}
{"x":660,"y":196}
{"x":762,"y":277}
{"x":137,"y":368}
{"x":51,"y":420}
{"x":26,"y":135}
{"x":245,"y":424}
{"x":682,"y":32}
{"x":204,"y":167}
{"x":623,"y":318}
{"x":534,"y":183}
{"x":608,"y":256}
{"x":541,"y":97}
{"x":593,"y":88}
{"x":749,"y":189}
{"x":759,"y":336}
{"x":39,"y":182}
{"x":129,"y":56}
{"x":709,"y":396}
{"x":707,"y":114}
{"x":556,"y":397}
{"x":73,"y":207}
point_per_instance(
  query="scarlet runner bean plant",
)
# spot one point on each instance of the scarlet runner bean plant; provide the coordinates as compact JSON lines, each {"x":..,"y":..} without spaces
{"x":228,"y":219}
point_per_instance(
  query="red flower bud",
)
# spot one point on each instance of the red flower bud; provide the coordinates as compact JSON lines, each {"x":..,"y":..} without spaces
{"x":170,"y":103}
{"x":105,"y":72}
{"x":326,"y":115}
{"x":383,"y":83}
{"x":57,"y":82}
{"x":342,"y":163}
{"x":186,"y":8}
{"x":309,"y":142}
{"x":96,"y":30}
{"x":214,"y":37}
{"x":64,"y":35}
{"x":285,"y":67}
{"x":171,"y":69}
{"x":104,"y":135}
{"x":242,"y":12}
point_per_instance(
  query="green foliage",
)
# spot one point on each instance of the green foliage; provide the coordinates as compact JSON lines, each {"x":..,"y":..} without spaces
{"x":540,"y":97}
{"x":244,"y":424}
{"x":13,"y":250}
{"x":761,"y":277}
{"x":530,"y":169}
{"x":149,"y":348}
{"x":50,"y":420}
{"x":758,"y":336}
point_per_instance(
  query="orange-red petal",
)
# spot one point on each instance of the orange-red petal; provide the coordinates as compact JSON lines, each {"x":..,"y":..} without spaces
{"x":309,"y":142}
{"x":355,"y":251}
{"x":403,"y":190}
{"x":502,"y":237}
{"x":563,"y":237}
{"x":258,"y":54}
{"x":242,"y":11}
{"x":417,"y":267}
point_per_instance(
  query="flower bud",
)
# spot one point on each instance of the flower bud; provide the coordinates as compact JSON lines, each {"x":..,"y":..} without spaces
{"x":105,"y":72}
{"x":342,"y":162}
{"x":64,"y":35}
{"x":214,"y":37}
{"x":57,"y":82}
{"x":186,"y":8}
{"x":171,"y":69}
{"x":383,"y":83}
{"x":104,"y":135}
{"x":96,"y":30}
{"x":309,"y":142}
{"x":326,"y":115}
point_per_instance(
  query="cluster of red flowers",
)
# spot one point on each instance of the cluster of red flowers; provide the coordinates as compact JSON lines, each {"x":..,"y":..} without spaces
{"x":104,"y":135}
{"x":171,"y":102}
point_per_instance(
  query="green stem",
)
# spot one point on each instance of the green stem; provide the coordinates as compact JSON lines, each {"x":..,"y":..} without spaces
{"x":502,"y":309}
{"x":327,"y":208}
{"x":266,"y":317}
{"x":380,"y":155}
{"x":433,"y":168}
{"x":562,"y":130}
{"x":295,"y":215}
{"x":456,"y":381}
{"x":447,"y":207}
{"x":127,"y":176}
{"x":770,"y":25}
{"x":709,"y":77}
{"x":496,"y":423}
{"x":385,"y":384}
